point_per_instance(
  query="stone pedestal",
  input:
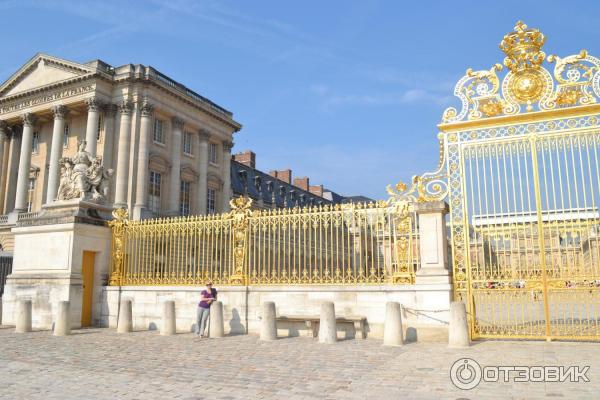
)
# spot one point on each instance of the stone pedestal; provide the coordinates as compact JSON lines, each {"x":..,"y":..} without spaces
{"x":433,"y":244}
{"x":48,"y":261}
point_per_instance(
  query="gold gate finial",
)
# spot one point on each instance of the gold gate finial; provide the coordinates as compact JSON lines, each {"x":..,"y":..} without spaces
{"x":523,"y":48}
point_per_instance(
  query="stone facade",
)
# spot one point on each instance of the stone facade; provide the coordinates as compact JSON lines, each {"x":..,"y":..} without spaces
{"x":168,"y":145}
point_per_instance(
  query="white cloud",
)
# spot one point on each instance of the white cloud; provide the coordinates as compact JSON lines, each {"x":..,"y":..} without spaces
{"x":331,"y":100}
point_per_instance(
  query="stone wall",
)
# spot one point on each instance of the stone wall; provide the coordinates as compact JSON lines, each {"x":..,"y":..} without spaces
{"x":425,"y":306}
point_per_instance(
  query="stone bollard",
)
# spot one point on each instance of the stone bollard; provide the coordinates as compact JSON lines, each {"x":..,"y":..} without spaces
{"x":168,"y":326}
{"x":327,"y":326}
{"x":268,"y":327}
{"x":23,"y":316}
{"x":125,"y":323}
{"x":392,"y":333}
{"x":216,"y":328}
{"x":458,"y":331}
{"x":62,"y":325}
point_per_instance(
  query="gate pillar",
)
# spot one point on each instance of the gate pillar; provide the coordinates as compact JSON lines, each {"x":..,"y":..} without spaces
{"x":433,"y":244}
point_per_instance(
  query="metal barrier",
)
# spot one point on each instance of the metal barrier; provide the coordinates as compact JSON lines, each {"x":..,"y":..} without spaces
{"x":6,"y":260}
{"x":369,"y":243}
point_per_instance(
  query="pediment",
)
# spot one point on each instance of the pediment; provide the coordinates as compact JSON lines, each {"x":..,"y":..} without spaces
{"x":42,"y":70}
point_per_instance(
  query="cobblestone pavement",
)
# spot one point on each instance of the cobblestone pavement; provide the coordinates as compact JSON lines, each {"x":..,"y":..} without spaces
{"x":100,"y":364}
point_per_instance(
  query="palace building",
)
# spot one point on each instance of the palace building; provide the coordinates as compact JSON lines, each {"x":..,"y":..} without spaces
{"x":169,"y":147}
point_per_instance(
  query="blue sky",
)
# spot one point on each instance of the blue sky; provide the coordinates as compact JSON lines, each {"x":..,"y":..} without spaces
{"x":346,"y":92}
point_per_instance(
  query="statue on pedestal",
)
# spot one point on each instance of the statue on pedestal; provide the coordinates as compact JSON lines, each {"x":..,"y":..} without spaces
{"x":83,"y":177}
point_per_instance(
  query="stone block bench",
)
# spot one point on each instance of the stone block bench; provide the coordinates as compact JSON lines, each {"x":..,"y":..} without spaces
{"x":312,"y":323}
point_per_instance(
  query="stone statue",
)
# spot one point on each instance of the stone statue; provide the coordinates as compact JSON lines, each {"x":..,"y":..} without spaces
{"x":83,"y":177}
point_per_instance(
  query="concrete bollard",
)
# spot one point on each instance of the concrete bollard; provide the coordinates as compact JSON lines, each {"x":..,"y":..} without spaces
{"x":458,"y":331}
{"x":168,"y":326}
{"x":392,"y":332}
{"x":216,"y":328}
{"x":23,"y":316}
{"x":62,"y":325}
{"x":268,"y":327}
{"x":327,"y":326}
{"x":125,"y":323}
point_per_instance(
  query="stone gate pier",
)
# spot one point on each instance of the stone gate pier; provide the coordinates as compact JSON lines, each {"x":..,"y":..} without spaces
{"x":61,"y":255}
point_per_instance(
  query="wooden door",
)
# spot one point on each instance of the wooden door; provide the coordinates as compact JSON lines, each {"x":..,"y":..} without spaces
{"x":87,"y":274}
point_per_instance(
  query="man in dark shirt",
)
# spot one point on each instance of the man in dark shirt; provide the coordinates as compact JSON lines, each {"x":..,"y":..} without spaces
{"x":206,"y":299}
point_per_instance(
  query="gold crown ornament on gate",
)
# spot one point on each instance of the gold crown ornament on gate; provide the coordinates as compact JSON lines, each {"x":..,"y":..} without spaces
{"x":523,"y":48}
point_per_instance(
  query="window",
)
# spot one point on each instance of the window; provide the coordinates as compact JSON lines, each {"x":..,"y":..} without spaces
{"x":100,"y":127}
{"x":30,"y":194}
{"x":66,"y":136}
{"x":154,"y":191}
{"x":35,"y":142}
{"x":184,"y":202}
{"x":211,"y":201}
{"x":159,"y":136}
{"x":187,"y":143}
{"x":212,"y":153}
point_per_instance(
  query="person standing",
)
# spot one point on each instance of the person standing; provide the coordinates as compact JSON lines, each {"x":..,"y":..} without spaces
{"x":207,"y":297}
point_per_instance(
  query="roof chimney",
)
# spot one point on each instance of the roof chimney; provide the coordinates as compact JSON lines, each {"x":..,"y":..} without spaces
{"x":285,"y":175}
{"x":302,"y":183}
{"x":247,"y":158}
{"x":317,"y":190}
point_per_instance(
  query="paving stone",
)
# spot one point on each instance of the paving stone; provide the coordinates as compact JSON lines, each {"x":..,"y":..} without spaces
{"x":99,"y":364}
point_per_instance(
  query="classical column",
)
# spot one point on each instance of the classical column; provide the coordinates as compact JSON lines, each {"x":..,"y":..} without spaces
{"x":109,"y":135}
{"x":24,"y":163}
{"x":141,"y":190}
{"x":13,"y":169}
{"x":122,"y":180}
{"x":203,"y":168}
{"x":175,"y":181}
{"x":3,"y":161}
{"x":91,"y":132}
{"x":227,"y":146}
{"x":58,"y":133}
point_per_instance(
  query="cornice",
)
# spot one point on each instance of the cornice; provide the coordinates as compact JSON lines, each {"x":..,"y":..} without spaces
{"x":41,"y":89}
{"x":520,"y":118}
{"x":131,"y":78}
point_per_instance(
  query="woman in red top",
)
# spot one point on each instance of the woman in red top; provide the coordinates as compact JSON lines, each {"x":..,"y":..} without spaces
{"x":206,"y":299}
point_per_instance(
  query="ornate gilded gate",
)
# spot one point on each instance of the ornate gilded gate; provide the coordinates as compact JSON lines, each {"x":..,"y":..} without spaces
{"x":521,"y":171}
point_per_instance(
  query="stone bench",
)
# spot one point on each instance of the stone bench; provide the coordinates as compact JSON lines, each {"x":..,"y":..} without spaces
{"x":312,"y":323}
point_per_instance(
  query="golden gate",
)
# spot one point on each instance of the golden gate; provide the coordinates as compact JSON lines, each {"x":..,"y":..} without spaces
{"x":521,"y":172}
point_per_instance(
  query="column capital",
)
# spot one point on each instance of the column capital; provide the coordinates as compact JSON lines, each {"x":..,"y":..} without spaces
{"x":147,"y":109}
{"x":227,"y":146}
{"x":177,"y":122}
{"x":94,"y":104}
{"x":60,"y":111}
{"x":110,"y":110}
{"x":204,"y":135}
{"x":125,"y":107}
{"x":28,"y":119}
{"x":3,"y":127}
